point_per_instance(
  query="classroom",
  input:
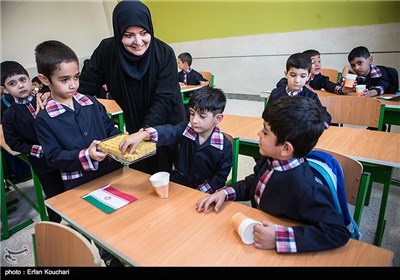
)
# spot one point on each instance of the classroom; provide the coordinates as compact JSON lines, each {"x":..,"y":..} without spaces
{"x":245,"y":45}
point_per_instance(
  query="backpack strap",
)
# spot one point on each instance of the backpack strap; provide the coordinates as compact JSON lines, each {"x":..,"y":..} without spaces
{"x":328,"y":172}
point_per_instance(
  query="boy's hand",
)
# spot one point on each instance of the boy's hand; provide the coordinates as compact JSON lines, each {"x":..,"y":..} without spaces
{"x":218,"y":198}
{"x":204,"y":83}
{"x":41,"y":101}
{"x":369,"y":93}
{"x":133,"y":141}
{"x":94,"y":154}
{"x":264,"y":235}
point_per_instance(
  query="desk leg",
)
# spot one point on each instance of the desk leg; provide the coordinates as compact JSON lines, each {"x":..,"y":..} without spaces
{"x":121,"y":123}
{"x":41,"y":208}
{"x":383,"y":175}
{"x":6,"y":230}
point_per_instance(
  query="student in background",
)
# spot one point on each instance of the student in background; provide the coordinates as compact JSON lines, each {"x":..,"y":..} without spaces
{"x":317,"y":80}
{"x":38,"y":87}
{"x":187,"y":75}
{"x":205,"y":156}
{"x":71,"y":124}
{"x":375,"y":77}
{"x":298,"y":68}
{"x":284,"y":185}
{"x":19,"y":131}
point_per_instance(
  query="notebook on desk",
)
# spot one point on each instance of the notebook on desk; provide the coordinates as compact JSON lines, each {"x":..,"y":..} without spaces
{"x":390,"y":98}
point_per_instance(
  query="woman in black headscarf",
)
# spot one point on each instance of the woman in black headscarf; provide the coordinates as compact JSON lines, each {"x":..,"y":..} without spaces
{"x":141,"y":74}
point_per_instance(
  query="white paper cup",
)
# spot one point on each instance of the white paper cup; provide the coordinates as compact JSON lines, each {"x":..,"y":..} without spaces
{"x":350,"y":79}
{"x":160,"y":182}
{"x":244,"y":227}
{"x":360,"y":88}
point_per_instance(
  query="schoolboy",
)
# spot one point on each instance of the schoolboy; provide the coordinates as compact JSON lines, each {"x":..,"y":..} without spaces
{"x":187,"y":75}
{"x":375,"y":77}
{"x":71,"y":125}
{"x":317,"y":80}
{"x":19,"y":131}
{"x":283,"y":183}
{"x":205,"y":156}
{"x":298,"y":68}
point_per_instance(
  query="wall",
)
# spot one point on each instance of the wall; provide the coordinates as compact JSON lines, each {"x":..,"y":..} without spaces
{"x":244,"y":43}
{"x":79,"y":24}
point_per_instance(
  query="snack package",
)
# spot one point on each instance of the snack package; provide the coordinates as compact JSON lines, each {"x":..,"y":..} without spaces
{"x":110,"y":146}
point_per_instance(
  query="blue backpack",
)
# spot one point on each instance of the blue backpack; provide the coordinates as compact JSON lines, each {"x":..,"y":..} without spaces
{"x":328,"y":172}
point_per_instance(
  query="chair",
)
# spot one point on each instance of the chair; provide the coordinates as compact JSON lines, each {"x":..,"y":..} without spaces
{"x":331,"y":73}
{"x":234,"y":160}
{"x":59,"y":245}
{"x":208,"y":76}
{"x":356,"y":182}
{"x":352,"y":110}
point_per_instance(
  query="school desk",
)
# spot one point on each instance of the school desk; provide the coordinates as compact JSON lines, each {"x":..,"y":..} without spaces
{"x":169,"y":232}
{"x":113,"y":109}
{"x":5,"y":181}
{"x":367,"y":146}
{"x":186,"y":89}
{"x":390,"y":109}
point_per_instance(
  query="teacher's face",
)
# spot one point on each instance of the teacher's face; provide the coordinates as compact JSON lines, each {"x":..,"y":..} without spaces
{"x":136,"y":40}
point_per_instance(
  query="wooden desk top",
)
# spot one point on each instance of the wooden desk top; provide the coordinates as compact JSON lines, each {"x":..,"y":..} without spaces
{"x":388,"y":103}
{"x":4,"y":144}
{"x":111,"y":106}
{"x":362,"y":144}
{"x":170,"y":232}
{"x":188,"y":88}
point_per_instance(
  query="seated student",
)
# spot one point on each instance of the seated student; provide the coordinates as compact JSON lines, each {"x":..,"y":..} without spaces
{"x":375,"y":77}
{"x":187,"y":75}
{"x":317,"y":80}
{"x":38,"y":87}
{"x":205,"y":156}
{"x":71,"y":124}
{"x":284,"y":185}
{"x":19,"y":131}
{"x":298,"y":67}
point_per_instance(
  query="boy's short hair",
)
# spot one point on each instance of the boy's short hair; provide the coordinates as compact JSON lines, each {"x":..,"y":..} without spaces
{"x":185,"y":57}
{"x":208,"y":99}
{"x":296,"y":119}
{"x":11,"y":68}
{"x":299,"y":61}
{"x":311,"y":53}
{"x":360,"y":51}
{"x":50,"y":54}
{"x":36,"y":80}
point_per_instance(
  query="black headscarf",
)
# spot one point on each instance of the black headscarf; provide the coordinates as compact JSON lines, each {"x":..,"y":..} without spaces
{"x":127,"y":14}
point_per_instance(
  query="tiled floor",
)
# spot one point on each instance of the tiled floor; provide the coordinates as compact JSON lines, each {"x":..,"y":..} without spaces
{"x":391,"y":239}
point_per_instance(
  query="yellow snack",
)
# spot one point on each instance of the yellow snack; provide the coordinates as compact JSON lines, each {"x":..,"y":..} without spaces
{"x":111,"y":146}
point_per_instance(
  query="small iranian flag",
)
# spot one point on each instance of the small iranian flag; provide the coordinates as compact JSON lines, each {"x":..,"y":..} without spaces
{"x":108,"y":199}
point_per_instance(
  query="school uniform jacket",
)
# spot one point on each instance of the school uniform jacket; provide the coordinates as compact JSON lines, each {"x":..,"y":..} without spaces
{"x":281,"y":92}
{"x":65,"y":135}
{"x":19,"y":133}
{"x":192,"y":78}
{"x":318,"y":82}
{"x":294,"y":194}
{"x":205,"y":167}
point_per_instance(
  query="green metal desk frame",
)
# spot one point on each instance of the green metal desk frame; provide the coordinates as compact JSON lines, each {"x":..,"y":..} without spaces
{"x":5,"y":210}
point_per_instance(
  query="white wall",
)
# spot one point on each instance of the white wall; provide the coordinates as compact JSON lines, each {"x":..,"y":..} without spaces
{"x":247,"y":65}
{"x":252,"y":64}
{"x":25,"y":24}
